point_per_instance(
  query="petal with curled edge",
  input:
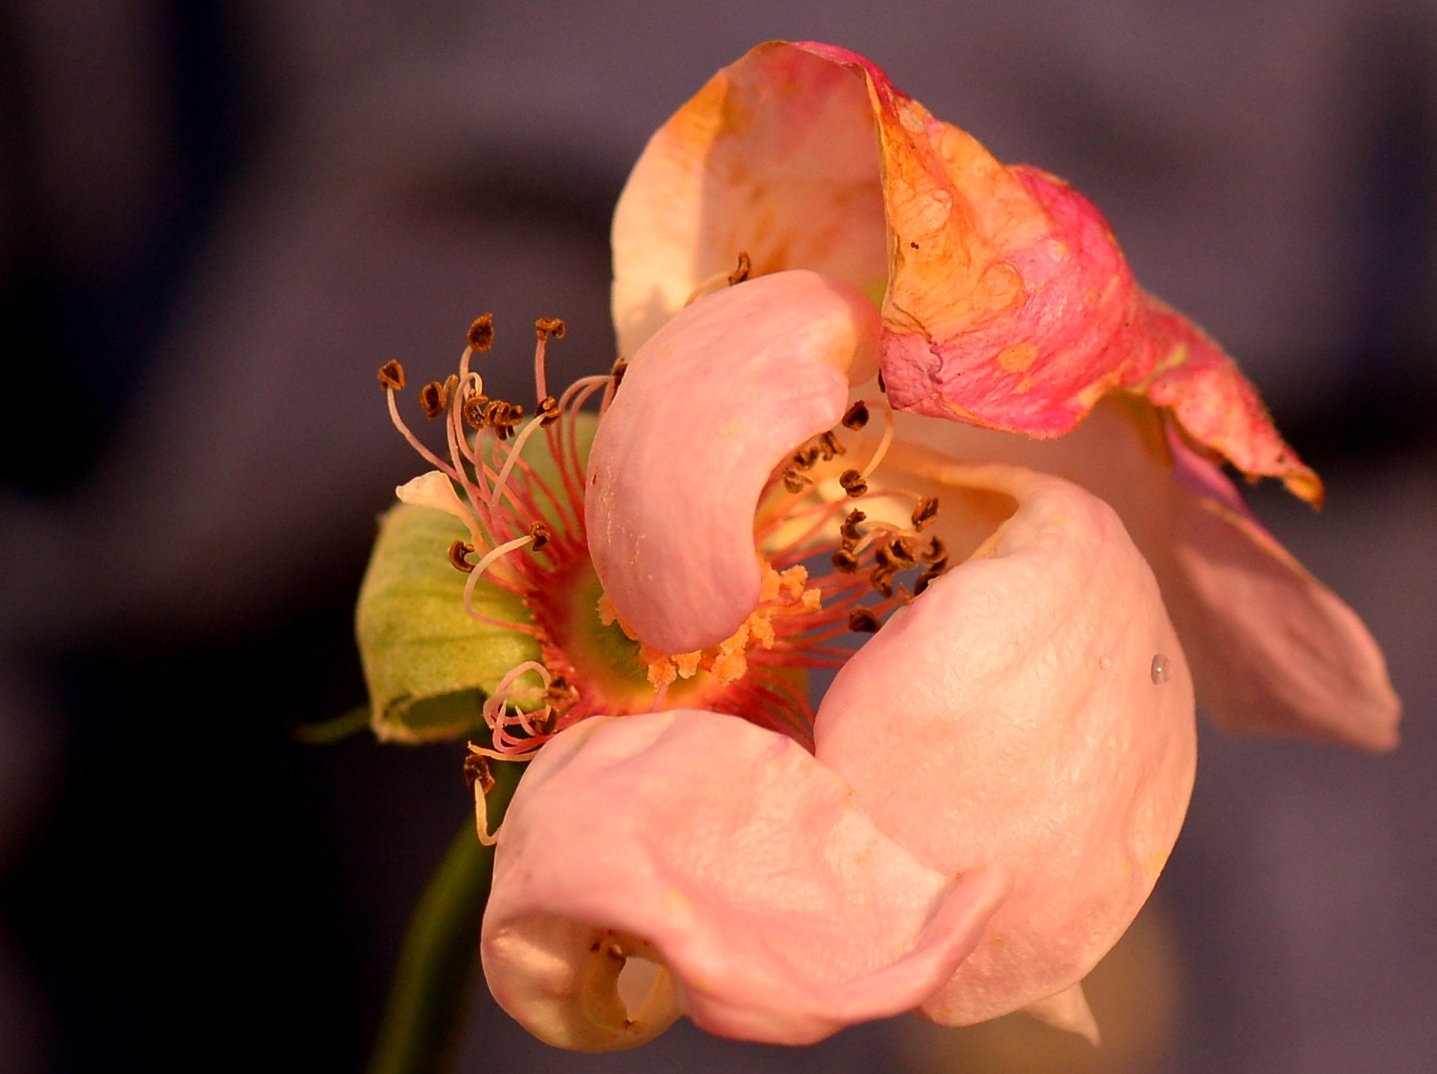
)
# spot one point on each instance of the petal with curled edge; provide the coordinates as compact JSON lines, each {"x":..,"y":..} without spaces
{"x":735,"y":861}
{"x":1273,"y":650}
{"x":1006,"y":300}
{"x":1032,"y":708}
{"x":707,"y":407}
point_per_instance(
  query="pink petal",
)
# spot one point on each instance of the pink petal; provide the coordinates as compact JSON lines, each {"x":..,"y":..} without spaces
{"x":1273,"y":650}
{"x":1032,"y":709}
{"x":1008,"y":303}
{"x":731,"y":857}
{"x":708,"y":406}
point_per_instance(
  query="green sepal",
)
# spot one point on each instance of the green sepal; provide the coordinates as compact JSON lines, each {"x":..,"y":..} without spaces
{"x":432,"y":981}
{"x":429,"y":666}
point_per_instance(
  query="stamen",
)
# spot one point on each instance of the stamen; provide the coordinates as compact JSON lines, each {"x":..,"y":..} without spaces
{"x":845,"y":562}
{"x":925,"y":512}
{"x":434,"y":399}
{"x":745,"y":266}
{"x":863,"y":621}
{"x":794,"y":481}
{"x":477,"y":770}
{"x":489,"y":559}
{"x":428,"y":456}
{"x":857,"y":416}
{"x":850,"y":529}
{"x":478,"y":775}
{"x":475,"y":406}
{"x":391,"y":376}
{"x":544,"y":327}
{"x":481,"y":333}
{"x":882,"y":443}
{"x":457,"y":553}
{"x":540,"y":534}
{"x":853,"y":483}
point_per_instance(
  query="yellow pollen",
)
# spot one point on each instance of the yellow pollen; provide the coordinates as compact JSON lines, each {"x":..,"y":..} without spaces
{"x":781,"y":593}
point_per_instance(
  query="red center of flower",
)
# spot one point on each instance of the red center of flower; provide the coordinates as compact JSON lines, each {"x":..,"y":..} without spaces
{"x":521,"y":485}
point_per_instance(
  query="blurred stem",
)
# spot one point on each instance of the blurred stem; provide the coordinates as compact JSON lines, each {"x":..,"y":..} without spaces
{"x":328,"y":731}
{"x":428,"y":997}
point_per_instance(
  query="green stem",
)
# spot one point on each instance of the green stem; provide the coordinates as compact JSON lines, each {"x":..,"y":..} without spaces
{"x":429,"y":994}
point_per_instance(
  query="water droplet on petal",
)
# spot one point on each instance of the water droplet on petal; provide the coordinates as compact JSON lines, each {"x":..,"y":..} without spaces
{"x":1161,"y":670}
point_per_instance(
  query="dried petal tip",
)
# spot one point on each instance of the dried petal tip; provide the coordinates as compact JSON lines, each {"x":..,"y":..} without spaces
{"x":481,"y":333}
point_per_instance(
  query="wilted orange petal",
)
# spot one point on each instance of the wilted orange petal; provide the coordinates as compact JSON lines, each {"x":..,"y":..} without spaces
{"x":1006,"y":301}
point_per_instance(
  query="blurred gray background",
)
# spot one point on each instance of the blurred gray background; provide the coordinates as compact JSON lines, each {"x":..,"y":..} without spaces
{"x":217,"y":220}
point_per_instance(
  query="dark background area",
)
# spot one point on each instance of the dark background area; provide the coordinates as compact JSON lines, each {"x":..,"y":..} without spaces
{"x":217,"y":220}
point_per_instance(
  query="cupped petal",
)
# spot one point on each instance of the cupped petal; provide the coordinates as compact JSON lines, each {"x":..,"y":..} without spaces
{"x":708,"y":406}
{"x":1031,"y":708}
{"x":735,"y":861}
{"x":1273,"y":650}
{"x":1007,"y":301}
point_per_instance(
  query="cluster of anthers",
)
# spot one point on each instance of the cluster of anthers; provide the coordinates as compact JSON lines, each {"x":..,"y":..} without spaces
{"x":525,"y":517}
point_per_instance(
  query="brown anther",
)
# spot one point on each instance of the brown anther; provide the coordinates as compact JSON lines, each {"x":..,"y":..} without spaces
{"x":560,"y":694}
{"x":794,"y":481}
{"x":902,"y":550}
{"x":830,"y":446}
{"x":863,"y":621}
{"x":503,"y":415}
{"x":925,"y":512}
{"x":433,"y":399}
{"x":882,"y":387}
{"x":882,"y":580}
{"x":478,"y":770}
{"x":475,"y":408}
{"x":857,"y":416}
{"x":805,"y":459}
{"x":853,"y":483}
{"x":544,"y":725}
{"x":885,"y":560}
{"x":458,"y":553}
{"x":545,"y":327}
{"x":745,"y":266}
{"x":539,"y":530}
{"x":845,"y":562}
{"x":391,"y":376}
{"x":850,"y":525}
{"x":938,"y":570}
{"x":935,"y":551}
{"x":548,"y":410}
{"x":481,"y":333}
{"x":617,"y":371}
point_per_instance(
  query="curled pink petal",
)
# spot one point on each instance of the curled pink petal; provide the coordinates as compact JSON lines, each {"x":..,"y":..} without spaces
{"x":1007,"y":302}
{"x":1032,"y":709}
{"x":730,"y":857}
{"x":1273,"y":650}
{"x":707,"y":407}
